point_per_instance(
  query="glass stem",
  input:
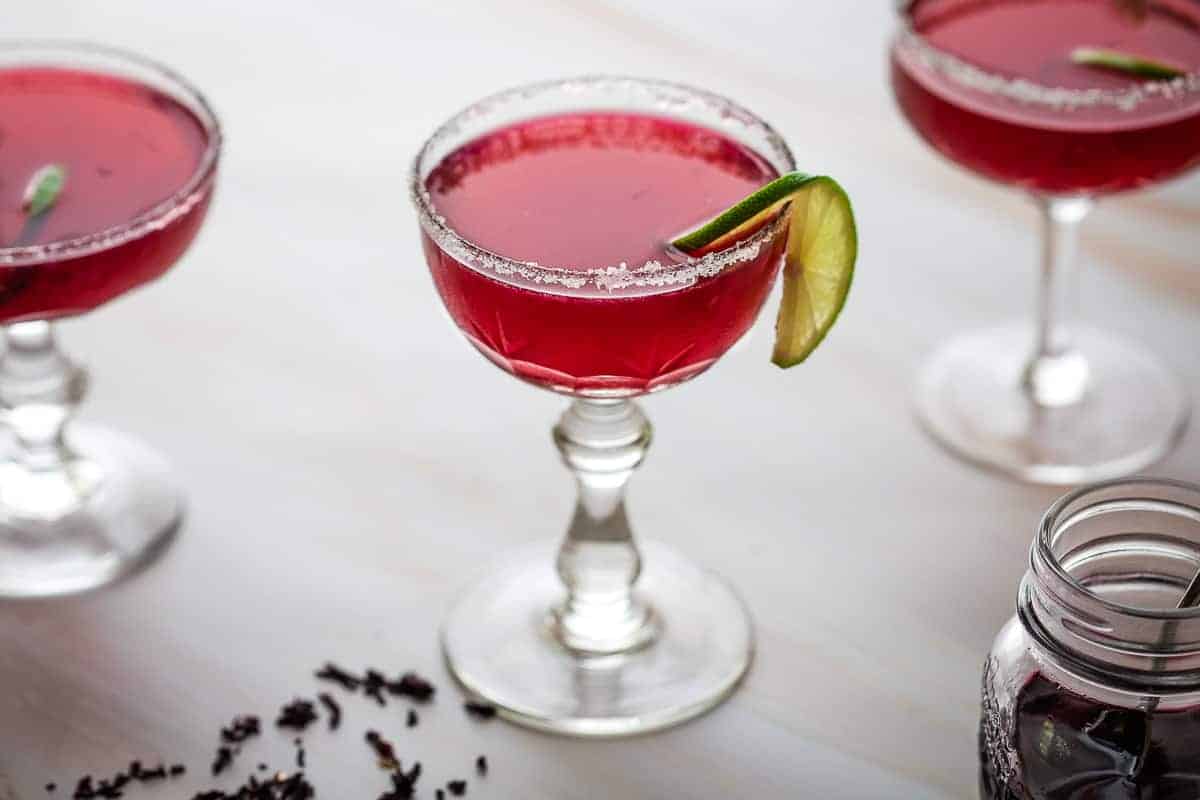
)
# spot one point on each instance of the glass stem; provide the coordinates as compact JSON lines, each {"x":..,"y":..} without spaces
{"x":40,"y":389}
{"x":602,"y":442}
{"x":1057,"y":373}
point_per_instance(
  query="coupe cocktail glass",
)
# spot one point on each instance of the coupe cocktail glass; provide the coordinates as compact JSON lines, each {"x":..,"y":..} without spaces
{"x":545,"y":212}
{"x":993,"y":86}
{"x":81,"y":506}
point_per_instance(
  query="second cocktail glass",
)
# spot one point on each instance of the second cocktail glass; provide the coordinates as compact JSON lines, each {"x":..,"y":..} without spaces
{"x":998,"y":87}
{"x":544,"y":213}
{"x":108,"y":165}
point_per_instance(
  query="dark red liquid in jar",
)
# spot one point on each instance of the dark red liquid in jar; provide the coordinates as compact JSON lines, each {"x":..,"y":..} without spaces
{"x":1070,"y":747}
{"x":1093,"y":147}
{"x":596,"y":190}
{"x":126,"y":147}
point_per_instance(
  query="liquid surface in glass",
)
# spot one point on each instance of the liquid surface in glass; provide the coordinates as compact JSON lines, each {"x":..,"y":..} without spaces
{"x":591,"y":190}
{"x":126,"y":148}
{"x":1050,"y":140}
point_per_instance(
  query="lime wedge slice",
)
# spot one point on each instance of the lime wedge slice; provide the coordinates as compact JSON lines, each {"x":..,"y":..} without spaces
{"x":1124,"y":62}
{"x":43,"y":189}
{"x":821,"y":249}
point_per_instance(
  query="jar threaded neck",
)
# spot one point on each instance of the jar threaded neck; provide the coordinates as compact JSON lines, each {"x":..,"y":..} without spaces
{"x":1107,"y":569}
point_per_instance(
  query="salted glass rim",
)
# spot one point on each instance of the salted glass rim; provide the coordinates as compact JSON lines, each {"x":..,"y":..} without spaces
{"x":1043,"y":547}
{"x":652,"y":274}
{"x":163,"y":213}
{"x":1023,"y":90}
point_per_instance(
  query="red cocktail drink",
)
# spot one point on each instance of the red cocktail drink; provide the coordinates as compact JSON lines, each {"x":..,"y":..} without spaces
{"x":1116,"y":135}
{"x":545,"y":215}
{"x":1069,"y":100}
{"x":588,"y":192}
{"x":127,"y":148}
{"x":107,"y":166}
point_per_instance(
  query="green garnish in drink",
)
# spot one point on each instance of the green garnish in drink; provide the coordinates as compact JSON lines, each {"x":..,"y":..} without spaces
{"x":821,"y":250}
{"x":41,"y":193}
{"x":43,"y":189}
{"x":1117,"y":61}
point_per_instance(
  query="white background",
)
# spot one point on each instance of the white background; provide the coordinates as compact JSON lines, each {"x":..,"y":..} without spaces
{"x":351,"y":462}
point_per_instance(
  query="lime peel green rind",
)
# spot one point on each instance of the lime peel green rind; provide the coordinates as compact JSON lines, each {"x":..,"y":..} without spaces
{"x":43,"y":189}
{"x":821,"y":251}
{"x":1124,"y":62}
{"x":762,"y":203}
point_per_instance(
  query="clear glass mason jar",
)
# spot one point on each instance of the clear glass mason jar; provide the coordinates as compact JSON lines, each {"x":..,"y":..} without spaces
{"x":1092,"y":690}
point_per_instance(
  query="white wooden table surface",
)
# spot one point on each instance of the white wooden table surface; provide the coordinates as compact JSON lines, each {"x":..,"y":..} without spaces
{"x":351,"y":462}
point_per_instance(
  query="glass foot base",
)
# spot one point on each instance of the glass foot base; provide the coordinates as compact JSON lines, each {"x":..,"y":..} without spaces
{"x":126,"y":511}
{"x":498,"y":645}
{"x":970,"y":399}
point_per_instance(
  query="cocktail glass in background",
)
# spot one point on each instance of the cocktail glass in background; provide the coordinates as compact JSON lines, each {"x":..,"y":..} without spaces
{"x":134,"y":150}
{"x":998,"y":87}
{"x":545,"y":211}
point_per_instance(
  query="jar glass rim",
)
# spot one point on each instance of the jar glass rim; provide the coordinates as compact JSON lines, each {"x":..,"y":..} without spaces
{"x":1064,"y":510}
